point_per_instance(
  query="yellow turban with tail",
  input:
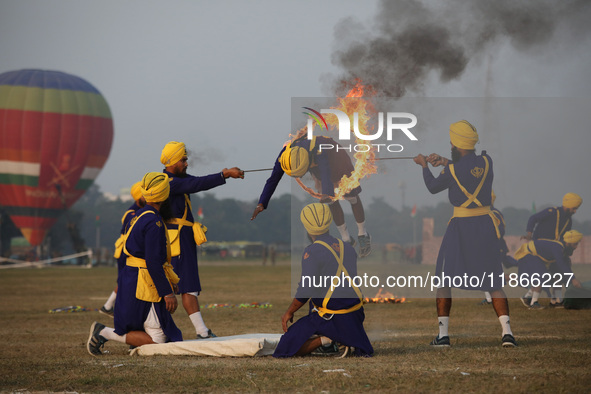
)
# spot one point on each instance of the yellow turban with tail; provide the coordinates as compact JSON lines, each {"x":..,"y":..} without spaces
{"x":316,"y":218}
{"x":572,"y":237}
{"x":172,"y":153}
{"x":136,"y":191}
{"x":571,"y":200}
{"x":294,"y":161}
{"x":463,"y":135}
{"x":155,"y":187}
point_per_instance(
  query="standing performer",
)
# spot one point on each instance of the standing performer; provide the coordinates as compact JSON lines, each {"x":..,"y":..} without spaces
{"x":138,"y":203}
{"x":470,"y":246}
{"x":327,"y":167}
{"x":552,"y":223}
{"x":185,"y":234}
{"x":541,"y":260}
{"x":336,"y":315}
{"x":146,"y":284}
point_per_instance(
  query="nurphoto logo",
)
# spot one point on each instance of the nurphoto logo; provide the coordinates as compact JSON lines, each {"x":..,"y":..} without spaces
{"x":395,"y":121}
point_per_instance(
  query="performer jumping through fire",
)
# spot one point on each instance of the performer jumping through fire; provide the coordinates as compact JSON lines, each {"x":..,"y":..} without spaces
{"x":470,"y":246}
{"x":138,"y":203}
{"x":185,"y":233}
{"x":146,"y":298}
{"x":334,"y":324}
{"x":327,"y":167}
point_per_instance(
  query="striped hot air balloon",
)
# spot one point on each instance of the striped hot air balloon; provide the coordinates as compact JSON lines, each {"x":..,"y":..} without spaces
{"x":56,"y":132}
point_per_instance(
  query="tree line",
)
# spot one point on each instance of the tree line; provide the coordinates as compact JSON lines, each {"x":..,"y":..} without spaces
{"x":97,"y":219}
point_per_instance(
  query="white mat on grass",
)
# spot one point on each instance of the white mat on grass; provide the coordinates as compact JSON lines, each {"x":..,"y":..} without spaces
{"x":246,"y":345}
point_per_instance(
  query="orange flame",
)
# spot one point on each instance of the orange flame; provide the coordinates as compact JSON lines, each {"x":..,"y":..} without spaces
{"x":364,"y":160}
{"x":365,"y":166}
{"x":384,"y":298}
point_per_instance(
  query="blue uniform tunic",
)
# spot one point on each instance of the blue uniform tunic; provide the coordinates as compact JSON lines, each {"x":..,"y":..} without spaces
{"x":328,"y":166}
{"x":147,"y":240}
{"x":547,"y":249}
{"x":470,"y":245}
{"x":347,"y":329}
{"x":549,"y":223}
{"x":185,"y":264}
{"x":127,"y":217}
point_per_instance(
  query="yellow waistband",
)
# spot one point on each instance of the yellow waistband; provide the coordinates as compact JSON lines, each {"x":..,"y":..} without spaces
{"x":133,"y":261}
{"x":323,"y":311}
{"x":178,"y":221}
{"x":460,"y":212}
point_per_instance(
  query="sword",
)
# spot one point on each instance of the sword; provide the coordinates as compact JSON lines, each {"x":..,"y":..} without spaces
{"x":381,"y":158}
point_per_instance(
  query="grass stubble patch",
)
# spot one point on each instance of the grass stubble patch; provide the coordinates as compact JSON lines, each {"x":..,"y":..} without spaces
{"x":46,"y":352}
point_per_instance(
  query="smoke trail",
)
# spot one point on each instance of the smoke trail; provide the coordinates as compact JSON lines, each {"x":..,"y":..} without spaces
{"x":204,"y":156}
{"x":410,"y":39}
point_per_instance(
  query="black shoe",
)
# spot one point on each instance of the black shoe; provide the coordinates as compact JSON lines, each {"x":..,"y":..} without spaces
{"x":536,"y":306}
{"x":525,"y":301}
{"x":364,"y":245}
{"x":108,"y":312}
{"x":440,"y":342}
{"x":332,"y":349}
{"x":509,"y":341}
{"x":95,"y":341}
{"x":209,"y":335}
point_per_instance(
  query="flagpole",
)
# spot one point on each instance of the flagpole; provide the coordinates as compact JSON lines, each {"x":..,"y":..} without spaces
{"x":414,"y":238}
{"x":413,"y":215}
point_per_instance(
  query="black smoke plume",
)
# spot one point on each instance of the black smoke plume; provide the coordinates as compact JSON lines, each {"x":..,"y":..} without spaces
{"x":410,"y":41}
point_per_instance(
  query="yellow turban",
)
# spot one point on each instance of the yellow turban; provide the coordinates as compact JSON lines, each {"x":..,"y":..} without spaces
{"x":136,"y":191}
{"x":571,"y":200}
{"x":155,"y":187}
{"x":294,"y":161}
{"x":463,"y":135}
{"x":316,"y":218}
{"x":172,"y":153}
{"x":572,"y":237}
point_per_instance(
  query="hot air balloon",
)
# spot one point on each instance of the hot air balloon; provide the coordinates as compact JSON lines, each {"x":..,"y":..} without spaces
{"x":56,"y":133}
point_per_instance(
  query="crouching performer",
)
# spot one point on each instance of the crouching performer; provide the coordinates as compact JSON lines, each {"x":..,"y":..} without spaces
{"x":146,"y":299}
{"x":335,"y":322}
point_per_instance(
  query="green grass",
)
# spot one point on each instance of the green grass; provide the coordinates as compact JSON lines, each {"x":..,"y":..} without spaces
{"x":46,"y":352}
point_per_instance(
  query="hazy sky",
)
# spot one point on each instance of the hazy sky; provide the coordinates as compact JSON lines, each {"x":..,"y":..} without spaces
{"x":220,"y":75}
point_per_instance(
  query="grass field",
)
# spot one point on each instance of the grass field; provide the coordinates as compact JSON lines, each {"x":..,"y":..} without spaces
{"x":43,"y":352}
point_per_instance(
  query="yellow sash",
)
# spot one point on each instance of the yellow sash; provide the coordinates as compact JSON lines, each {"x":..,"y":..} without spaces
{"x":119,"y":241}
{"x":199,"y":230}
{"x":463,"y":211}
{"x":558,"y":234}
{"x":323,"y":310}
{"x":530,"y":248}
{"x":145,"y":288}
{"x":118,"y":247}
